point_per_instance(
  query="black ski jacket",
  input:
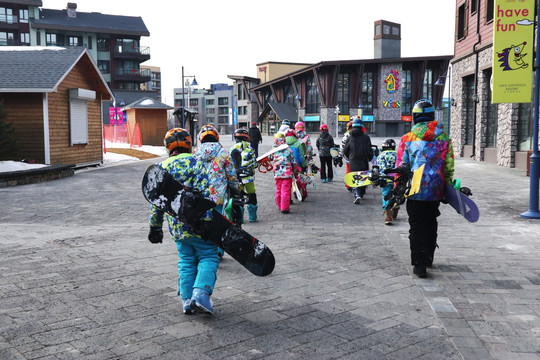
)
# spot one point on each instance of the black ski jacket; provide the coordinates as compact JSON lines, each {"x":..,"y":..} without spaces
{"x":358,"y":150}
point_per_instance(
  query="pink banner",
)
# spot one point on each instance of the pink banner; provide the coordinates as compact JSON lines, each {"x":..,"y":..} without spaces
{"x":116,"y":116}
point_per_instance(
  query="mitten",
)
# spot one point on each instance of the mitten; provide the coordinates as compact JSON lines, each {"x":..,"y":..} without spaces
{"x":155,"y":235}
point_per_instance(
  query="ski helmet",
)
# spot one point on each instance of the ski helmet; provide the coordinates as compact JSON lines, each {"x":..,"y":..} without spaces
{"x":323,"y":127}
{"x":388,"y":144}
{"x":299,"y":126}
{"x":286,"y":122}
{"x":177,"y":138}
{"x":357,"y":123}
{"x":241,"y":134}
{"x":423,"y":110}
{"x":210,"y":133}
{"x":291,"y":132}
{"x":349,"y":125}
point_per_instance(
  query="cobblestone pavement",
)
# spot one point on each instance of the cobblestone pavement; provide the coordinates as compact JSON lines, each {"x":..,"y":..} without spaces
{"x":79,"y":279}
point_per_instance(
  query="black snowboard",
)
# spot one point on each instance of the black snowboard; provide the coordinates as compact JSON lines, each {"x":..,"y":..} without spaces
{"x":163,"y":191}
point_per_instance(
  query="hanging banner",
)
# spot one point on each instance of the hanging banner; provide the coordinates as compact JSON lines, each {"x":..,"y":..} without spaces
{"x":513,"y":29}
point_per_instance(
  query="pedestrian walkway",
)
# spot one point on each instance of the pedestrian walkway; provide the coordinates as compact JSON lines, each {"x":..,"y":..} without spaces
{"x":79,"y":279}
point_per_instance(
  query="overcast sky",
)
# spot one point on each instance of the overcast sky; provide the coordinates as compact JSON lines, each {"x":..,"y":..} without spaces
{"x":230,"y":37}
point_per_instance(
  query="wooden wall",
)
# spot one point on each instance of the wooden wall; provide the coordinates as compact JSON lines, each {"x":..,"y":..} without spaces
{"x":152,"y":122}
{"x":25,"y":112}
{"x":464,"y":46}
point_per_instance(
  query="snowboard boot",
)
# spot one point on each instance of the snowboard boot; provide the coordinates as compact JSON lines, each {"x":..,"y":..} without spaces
{"x":387,"y":217}
{"x":186,"y":307}
{"x":420,"y":271}
{"x":252,"y":212}
{"x":201,"y":301}
{"x":395,"y":212}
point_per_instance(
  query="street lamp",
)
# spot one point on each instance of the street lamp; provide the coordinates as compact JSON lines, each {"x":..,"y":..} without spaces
{"x":441,"y":82}
{"x":193,"y":83}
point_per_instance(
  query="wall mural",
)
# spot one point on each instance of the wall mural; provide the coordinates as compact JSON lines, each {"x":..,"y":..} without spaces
{"x":392,"y":84}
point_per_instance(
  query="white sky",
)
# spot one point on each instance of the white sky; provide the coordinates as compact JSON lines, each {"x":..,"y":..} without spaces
{"x":230,"y":37}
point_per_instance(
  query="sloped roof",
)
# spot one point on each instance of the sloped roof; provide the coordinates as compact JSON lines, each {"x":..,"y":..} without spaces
{"x":90,"y":22}
{"x":282,"y":110}
{"x":39,"y":68}
{"x":147,"y":103}
{"x":27,"y":2}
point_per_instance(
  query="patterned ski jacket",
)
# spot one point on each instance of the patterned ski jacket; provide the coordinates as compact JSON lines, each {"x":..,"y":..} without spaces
{"x":284,"y":162}
{"x":386,"y":160}
{"x":189,"y":171}
{"x":220,"y":170}
{"x":304,"y":138}
{"x":299,"y":150}
{"x":324,"y":143}
{"x":249,"y":162}
{"x":428,"y":144}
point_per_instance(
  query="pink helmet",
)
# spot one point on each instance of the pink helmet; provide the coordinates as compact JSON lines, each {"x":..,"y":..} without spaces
{"x":323,"y":127}
{"x":299,"y":126}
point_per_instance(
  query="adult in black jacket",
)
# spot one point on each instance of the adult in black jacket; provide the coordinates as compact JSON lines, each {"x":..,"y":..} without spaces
{"x":255,"y":138}
{"x":359,"y":152}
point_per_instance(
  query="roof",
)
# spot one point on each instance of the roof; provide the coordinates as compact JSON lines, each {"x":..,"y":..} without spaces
{"x":90,"y":22}
{"x":27,"y":2}
{"x":147,"y":103}
{"x":39,"y":68}
{"x":282,"y":110}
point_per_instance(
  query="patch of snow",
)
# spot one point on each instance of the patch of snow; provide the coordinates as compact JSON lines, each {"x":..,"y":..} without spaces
{"x":8,"y":166}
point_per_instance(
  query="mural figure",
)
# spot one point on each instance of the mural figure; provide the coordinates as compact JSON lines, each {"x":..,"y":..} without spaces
{"x":511,"y":57}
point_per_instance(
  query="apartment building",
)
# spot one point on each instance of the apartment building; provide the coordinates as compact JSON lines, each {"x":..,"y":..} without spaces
{"x":155,"y":80}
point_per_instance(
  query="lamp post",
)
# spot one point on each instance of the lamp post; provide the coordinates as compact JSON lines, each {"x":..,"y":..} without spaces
{"x":441,"y":82}
{"x":193,"y":83}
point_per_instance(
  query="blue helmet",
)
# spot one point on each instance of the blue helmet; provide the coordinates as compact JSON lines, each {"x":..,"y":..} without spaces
{"x":423,"y":110}
{"x":357,"y":123}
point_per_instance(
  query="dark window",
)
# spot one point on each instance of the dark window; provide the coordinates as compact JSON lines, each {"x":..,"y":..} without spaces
{"x":90,"y":42}
{"x":75,"y":41}
{"x":366,"y":97}
{"x":489,"y":10}
{"x":127,"y":45}
{"x":7,"y":38}
{"x":209,"y":101}
{"x":102,"y":44}
{"x":468,"y":83}
{"x":461,"y":23}
{"x":427,"y":89}
{"x":38,"y":38}
{"x":6,"y":16}
{"x":343,"y":93}
{"x":525,"y":127}
{"x":223,"y":101}
{"x":25,"y":39}
{"x":241,"y":93}
{"x":491,"y":115}
{"x":406,"y":92}
{"x":313,"y":103}
{"x":104,"y":66}
{"x":23,"y":15}
{"x":474,"y":4}
{"x":54,"y":39}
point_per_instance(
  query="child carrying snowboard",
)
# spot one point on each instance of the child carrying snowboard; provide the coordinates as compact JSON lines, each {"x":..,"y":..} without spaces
{"x":199,"y":259}
{"x":387,"y":160}
{"x":284,"y":169}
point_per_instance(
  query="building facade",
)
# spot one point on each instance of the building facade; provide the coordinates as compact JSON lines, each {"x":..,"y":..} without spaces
{"x":112,"y":40}
{"x":495,"y":133}
{"x":155,"y":80}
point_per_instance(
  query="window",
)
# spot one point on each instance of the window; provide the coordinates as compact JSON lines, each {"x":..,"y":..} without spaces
{"x":127,"y":45}
{"x":54,"y":39}
{"x":104,"y":66}
{"x":461,"y":23}
{"x":427,"y":90}
{"x":406,"y":92}
{"x":491,"y":115}
{"x":78,"y":115}
{"x":209,"y":101}
{"x":6,"y":16}
{"x":223,"y":120}
{"x":468,"y":83}
{"x":193,"y":102}
{"x":74,"y":41}
{"x":7,"y":38}
{"x":474,"y":4}
{"x":489,"y":11}
{"x":102,"y":44}
{"x":343,"y":93}
{"x":90,"y":42}
{"x":313,"y":103}
{"x":223,"y":101}
{"x":23,"y":15}
{"x":210,"y":111}
{"x":223,"y":110}
{"x":395,"y":31}
{"x":366,"y":97}
{"x":25,"y":39}
{"x":525,"y":127}
{"x":386,"y":29}
{"x":241,"y":93}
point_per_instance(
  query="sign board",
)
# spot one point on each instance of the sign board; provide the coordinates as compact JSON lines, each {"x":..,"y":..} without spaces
{"x":311,"y":118}
{"x":406,"y":118}
{"x":513,"y":49}
{"x":344,"y":118}
{"x":367,"y":118}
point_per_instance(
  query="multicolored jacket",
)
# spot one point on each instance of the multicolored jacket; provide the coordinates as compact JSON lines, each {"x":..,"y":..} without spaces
{"x":189,"y":171}
{"x":299,"y":150}
{"x":428,"y":144}
{"x":386,"y":160}
{"x":284,"y":161}
{"x":303,"y":138}
{"x":220,"y":170}
{"x":249,"y":162}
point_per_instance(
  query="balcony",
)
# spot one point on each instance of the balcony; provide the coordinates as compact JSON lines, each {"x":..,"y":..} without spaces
{"x":132,"y":52}
{"x":133,"y":75}
{"x":9,"y":22}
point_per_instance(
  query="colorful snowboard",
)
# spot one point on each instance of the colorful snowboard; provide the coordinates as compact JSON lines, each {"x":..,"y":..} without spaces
{"x":163,"y":191}
{"x":462,"y":204}
{"x":264,"y":161}
{"x":356,"y":179}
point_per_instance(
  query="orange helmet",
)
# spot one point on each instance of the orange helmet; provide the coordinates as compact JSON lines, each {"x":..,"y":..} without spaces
{"x":177,"y":138}
{"x":349,"y":125}
{"x":207,"y":130}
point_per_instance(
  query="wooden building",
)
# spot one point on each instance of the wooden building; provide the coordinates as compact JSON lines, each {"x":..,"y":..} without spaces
{"x":150,"y":116}
{"x":52,"y":97}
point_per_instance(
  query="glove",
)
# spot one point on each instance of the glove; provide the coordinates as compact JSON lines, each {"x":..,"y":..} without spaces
{"x":155,"y":235}
{"x":456,"y":184}
{"x":465,"y":190}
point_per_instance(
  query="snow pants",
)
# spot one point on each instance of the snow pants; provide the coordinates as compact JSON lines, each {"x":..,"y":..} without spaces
{"x":423,"y":230}
{"x":197,"y":267}
{"x":327,"y":171}
{"x":283,"y":193}
{"x":385,"y":189}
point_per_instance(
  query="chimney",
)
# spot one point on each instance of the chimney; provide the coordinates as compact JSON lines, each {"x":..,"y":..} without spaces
{"x":387,"y":40}
{"x":71,"y":10}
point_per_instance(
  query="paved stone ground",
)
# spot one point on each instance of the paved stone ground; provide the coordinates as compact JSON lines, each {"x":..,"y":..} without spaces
{"x":79,"y":280}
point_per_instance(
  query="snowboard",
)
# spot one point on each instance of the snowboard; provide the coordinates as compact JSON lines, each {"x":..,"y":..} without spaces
{"x":356,"y":179}
{"x":264,"y":162}
{"x":296,"y":190}
{"x":462,"y":204}
{"x":163,"y":191}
